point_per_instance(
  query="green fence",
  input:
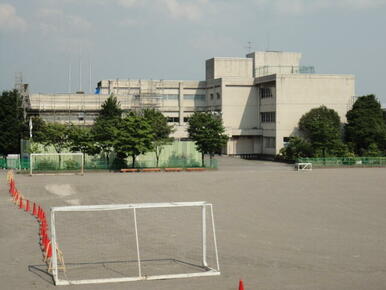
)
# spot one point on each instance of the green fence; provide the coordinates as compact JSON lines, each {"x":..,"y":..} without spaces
{"x":346,"y":161}
{"x":52,"y":163}
{"x":14,"y":163}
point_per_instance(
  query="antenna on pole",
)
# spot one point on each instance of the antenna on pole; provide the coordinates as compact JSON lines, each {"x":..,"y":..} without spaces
{"x":249,"y":47}
{"x":268,"y":41}
{"x":80,"y":69}
{"x":90,"y":80}
{"x":69,"y":77}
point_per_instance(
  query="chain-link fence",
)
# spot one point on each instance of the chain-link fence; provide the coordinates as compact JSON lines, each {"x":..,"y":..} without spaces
{"x":345,"y":161}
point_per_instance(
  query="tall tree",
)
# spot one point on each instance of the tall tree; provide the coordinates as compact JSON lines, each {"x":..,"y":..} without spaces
{"x":322,"y":128}
{"x":12,"y":124}
{"x":366,"y":126}
{"x":80,"y":139}
{"x":207,"y":131}
{"x":161,"y":130}
{"x":135,"y":137}
{"x":111,"y":108}
{"x":54,"y":134}
{"x":105,"y":129}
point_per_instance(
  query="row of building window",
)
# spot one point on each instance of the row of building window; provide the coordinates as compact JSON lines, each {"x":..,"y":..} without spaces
{"x":195,"y":97}
{"x":218,"y":96}
{"x":268,"y":117}
{"x":177,"y":119}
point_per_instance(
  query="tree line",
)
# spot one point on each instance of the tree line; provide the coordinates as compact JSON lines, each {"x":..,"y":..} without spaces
{"x":323,"y":135}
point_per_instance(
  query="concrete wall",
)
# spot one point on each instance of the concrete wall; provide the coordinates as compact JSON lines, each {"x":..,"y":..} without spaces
{"x":229,"y":67}
{"x":297,"y":94}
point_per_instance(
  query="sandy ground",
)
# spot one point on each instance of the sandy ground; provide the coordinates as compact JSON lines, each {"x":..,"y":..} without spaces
{"x":276,"y":228}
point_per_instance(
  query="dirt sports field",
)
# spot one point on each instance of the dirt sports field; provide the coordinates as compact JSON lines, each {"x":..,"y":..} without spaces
{"x":276,"y":228}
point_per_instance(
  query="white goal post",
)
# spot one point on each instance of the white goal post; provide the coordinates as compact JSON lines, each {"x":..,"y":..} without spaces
{"x":304,"y":166}
{"x":56,"y":163}
{"x":142,"y":253}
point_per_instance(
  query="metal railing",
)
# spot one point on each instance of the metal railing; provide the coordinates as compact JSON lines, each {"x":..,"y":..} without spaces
{"x":269,"y":70}
{"x":345,"y":161}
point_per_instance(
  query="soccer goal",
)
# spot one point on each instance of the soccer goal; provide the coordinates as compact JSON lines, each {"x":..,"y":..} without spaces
{"x":304,"y":166}
{"x":56,"y":163}
{"x":133,"y":242}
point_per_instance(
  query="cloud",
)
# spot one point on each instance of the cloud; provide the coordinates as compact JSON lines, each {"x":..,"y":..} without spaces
{"x":9,"y":20}
{"x":301,"y":6}
{"x":127,"y":3}
{"x":56,"y":21}
{"x":192,"y":10}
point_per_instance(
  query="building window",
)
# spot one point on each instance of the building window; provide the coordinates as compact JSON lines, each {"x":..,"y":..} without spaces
{"x":186,"y":119}
{"x":170,"y":97}
{"x":268,"y":117}
{"x":211,"y":96}
{"x":266,"y":93}
{"x":218,"y":96}
{"x":269,"y":142}
{"x":194,"y":97}
{"x":173,"y":119}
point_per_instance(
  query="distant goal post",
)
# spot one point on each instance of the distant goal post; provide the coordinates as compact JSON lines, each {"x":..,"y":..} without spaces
{"x":149,"y":260}
{"x":56,"y":163}
{"x":303,"y":166}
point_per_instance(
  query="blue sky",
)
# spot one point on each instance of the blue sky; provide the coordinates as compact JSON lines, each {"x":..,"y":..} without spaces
{"x":170,"y":39}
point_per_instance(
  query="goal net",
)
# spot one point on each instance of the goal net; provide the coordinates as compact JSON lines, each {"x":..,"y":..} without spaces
{"x":56,"y":163}
{"x":131,"y":242}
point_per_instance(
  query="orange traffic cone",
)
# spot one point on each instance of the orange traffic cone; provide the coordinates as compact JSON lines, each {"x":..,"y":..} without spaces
{"x":27,"y":206}
{"x":34,"y":210}
{"x":241,"y":285}
{"x":21,"y":202}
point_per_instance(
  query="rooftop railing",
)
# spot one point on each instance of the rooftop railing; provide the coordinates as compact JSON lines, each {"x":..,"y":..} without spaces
{"x":270,"y":70}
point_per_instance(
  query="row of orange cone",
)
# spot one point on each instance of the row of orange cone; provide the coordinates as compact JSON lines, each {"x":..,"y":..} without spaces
{"x":38,"y":212}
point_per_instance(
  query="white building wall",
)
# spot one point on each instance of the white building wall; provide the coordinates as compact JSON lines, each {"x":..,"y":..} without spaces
{"x":297,"y":94}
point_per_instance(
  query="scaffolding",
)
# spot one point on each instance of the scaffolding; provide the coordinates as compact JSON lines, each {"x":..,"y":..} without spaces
{"x":150,"y":95}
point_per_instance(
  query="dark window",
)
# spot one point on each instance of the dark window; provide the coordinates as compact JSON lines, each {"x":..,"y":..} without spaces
{"x":268,"y":117}
{"x":173,"y":119}
{"x":211,"y":96}
{"x":265,"y":93}
{"x":218,"y":96}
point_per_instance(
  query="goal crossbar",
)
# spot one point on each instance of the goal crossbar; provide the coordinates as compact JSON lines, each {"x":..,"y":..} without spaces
{"x":208,"y":271}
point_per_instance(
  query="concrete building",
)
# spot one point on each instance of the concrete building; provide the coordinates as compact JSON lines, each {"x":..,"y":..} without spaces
{"x":260,"y":97}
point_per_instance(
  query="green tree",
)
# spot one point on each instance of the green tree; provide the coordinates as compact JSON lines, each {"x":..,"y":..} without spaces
{"x":80,"y":139}
{"x":161,"y":130}
{"x":55,"y":135}
{"x":365,"y":125}
{"x":372,"y":151}
{"x":134,"y":137}
{"x":12,"y":124}
{"x":297,"y":148}
{"x":111,"y":108}
{"x":207,"y":130}
{"x":322,"y":128}
{"x":105,"y":129}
